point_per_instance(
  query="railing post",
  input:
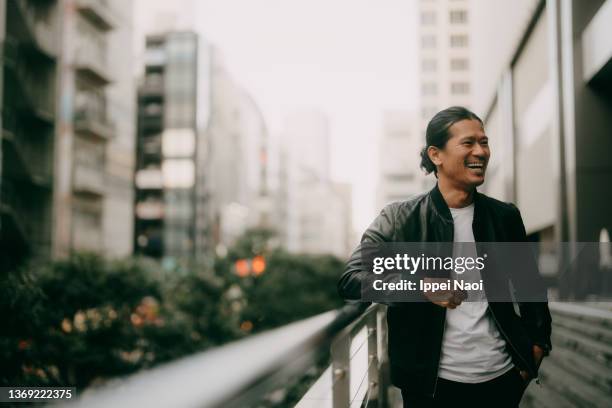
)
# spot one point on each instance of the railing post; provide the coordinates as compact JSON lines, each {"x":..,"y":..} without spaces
{"x":341,"y":372}
{"x":383,"y":363}
{"x":373,"y":358}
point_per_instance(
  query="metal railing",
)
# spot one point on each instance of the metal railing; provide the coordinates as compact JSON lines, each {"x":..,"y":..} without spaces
{"x":358,"y":374}
{"x":244,"y":373}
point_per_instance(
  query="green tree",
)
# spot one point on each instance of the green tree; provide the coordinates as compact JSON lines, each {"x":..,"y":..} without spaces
{"x":293,"y":287}
{"x":84,"y":319}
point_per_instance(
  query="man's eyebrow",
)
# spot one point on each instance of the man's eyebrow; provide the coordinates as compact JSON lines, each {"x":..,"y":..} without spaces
{"x":472,"y":137}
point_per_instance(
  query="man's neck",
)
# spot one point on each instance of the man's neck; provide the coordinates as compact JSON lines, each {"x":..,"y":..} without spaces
{"x":455,"y":196}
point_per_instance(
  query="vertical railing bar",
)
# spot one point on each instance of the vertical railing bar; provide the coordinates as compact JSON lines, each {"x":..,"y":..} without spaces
{"x":340,"y":351}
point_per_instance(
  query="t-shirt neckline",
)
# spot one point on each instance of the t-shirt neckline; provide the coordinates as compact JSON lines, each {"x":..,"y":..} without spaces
{"x":466,"y":208}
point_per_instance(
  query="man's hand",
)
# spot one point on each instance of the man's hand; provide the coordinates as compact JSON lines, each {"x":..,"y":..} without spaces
{"x":538,"y":355}
{"x":445,"y":298}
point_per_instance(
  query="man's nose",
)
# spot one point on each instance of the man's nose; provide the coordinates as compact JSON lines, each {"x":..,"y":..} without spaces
{"x":480,"y":151}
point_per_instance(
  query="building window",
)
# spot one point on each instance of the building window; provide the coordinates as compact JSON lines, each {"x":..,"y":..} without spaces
{"x":458,"y":16}
{"x":153,"y":109}
{"x":428,"y":17}
{"x":155,"y":56}
{"x":459,"y":64}
{"x":429,"y":65}
{"x":429,"y":88}
{"x":458,"y":40}
{"x":460,"y":88}
{"x":428,"y":41}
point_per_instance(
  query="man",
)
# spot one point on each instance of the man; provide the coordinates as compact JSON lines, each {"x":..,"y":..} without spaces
{"x":447,"y":352}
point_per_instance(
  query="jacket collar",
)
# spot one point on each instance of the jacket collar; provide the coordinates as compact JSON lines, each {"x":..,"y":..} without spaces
{"x":441,"y":208}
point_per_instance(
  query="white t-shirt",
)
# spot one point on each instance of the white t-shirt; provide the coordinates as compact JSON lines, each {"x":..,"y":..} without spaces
{"x":473,"y":350}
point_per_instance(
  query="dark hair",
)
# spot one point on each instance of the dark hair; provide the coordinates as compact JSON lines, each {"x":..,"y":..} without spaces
{"x":437,"y":133}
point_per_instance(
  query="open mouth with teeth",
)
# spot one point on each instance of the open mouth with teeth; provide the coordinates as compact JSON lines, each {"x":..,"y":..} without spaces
{"x":477,"y":167}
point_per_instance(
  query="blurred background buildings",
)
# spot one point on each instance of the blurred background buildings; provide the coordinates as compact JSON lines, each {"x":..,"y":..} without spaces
{"x":400,"y":142}
{"x":445,"y":60}
{"x":179,"y":160}
{"x":237,"y":163}
{"x":318,"y":210}
{"x":68,"y":128}
{"x":169,"y":147}
{"x":550,"y":111}
{"x":126,"y":131}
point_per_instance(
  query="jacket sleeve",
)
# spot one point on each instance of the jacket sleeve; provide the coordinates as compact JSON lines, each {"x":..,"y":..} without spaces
{"x":534,"y":315}
{"x":382,"y":229}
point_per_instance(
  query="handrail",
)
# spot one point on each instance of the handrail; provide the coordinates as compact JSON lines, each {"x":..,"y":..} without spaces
{"x":235,"y":375}
{"x":580,"y":309}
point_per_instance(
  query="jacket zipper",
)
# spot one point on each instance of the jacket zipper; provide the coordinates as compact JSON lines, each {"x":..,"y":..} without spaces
{"x":535,"y":377}
{"x":439,"y":356}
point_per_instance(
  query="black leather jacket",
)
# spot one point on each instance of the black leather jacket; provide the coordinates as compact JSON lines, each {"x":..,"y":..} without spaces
{"x":415,"y":330}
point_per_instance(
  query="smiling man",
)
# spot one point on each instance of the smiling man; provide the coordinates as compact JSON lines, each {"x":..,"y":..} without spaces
{"x":452,"y":352}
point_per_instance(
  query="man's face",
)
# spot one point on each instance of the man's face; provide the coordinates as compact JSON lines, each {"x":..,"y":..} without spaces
{"x":463,"y":161}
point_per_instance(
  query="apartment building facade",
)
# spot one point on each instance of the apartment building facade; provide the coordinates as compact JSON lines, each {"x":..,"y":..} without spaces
{"x":67,"y":127}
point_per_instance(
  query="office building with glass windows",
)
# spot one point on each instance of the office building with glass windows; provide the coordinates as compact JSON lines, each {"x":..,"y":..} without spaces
{"x":169,"y":177}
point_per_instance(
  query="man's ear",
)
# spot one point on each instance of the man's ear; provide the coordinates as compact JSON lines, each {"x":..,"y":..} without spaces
{"x":434,"y":155}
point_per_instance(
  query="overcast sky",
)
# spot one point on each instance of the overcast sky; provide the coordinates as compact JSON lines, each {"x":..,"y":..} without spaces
{"x":350,"y":58}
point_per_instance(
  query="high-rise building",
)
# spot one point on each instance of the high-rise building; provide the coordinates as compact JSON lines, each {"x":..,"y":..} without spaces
{"x":94,"y":123}
{"x":170,"y":151}
{"x":238,"y":159}
{"x":400,"y":175}
{"x":29,"y":33}
{"x":317,"y":210}
{"x":444,"y":55}
{"x":67,"y":127}
{"x":444,"y":61}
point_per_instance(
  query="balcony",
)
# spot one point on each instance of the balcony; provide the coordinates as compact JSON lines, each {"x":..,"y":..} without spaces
{"x":27,"y":152}
{"x":88,"y":180}
{"x":87,"y":211}
{"x":29,"y":86}
{"x":90,"y":118}
{"x":90,"y":59}
{"x":91,"y":69}
{"x":86,"y":238}
{"x":16,"y":225}
{"x":98,"y":13}
{"x":40,"y":34}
